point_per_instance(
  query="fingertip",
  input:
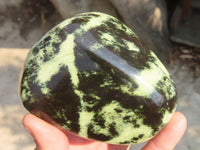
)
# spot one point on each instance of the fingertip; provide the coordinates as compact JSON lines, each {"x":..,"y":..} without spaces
{"x":46,"y":135}
{"x":177,"y":124}
{"x":169,"y":136}
{"x":26,"y":121}
{"x":180,"y":118}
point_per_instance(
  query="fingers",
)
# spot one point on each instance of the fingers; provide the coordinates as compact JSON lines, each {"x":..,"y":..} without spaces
{"x":46,"y":136}
{"x":169,"y":136}
{"x":49,"y":137}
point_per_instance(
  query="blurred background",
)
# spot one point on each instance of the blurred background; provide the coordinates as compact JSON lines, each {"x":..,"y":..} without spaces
{"x":171,"y":28}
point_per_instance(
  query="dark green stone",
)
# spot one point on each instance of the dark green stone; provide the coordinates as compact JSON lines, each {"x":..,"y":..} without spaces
{"x":93,"y":76}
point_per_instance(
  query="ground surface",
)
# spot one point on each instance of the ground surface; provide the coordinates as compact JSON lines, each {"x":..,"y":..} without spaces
{"x":14,"y":45}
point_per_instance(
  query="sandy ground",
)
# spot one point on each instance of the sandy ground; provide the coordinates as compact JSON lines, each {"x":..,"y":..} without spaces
{"x":13,"y":50}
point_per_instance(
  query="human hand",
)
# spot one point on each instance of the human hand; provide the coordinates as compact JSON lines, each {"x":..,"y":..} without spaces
{"x":49,"y":137}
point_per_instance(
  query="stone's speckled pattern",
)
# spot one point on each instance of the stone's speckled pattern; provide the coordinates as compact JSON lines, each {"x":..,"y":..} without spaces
{"x":93,"y":76}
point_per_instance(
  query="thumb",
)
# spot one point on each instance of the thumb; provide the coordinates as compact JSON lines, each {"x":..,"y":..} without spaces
{"x":47,"y":137}
{"x":170,"y":135}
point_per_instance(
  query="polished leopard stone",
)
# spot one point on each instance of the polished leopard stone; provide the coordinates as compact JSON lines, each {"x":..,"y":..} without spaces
{"x":93,"y":76}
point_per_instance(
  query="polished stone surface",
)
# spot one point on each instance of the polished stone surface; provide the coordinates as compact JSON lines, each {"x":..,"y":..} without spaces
{"x":93,"y":76}
{"x":11,"y":63}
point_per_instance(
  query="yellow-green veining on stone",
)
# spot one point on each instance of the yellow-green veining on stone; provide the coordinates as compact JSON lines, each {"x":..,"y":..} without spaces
{"x":92,"y":75}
